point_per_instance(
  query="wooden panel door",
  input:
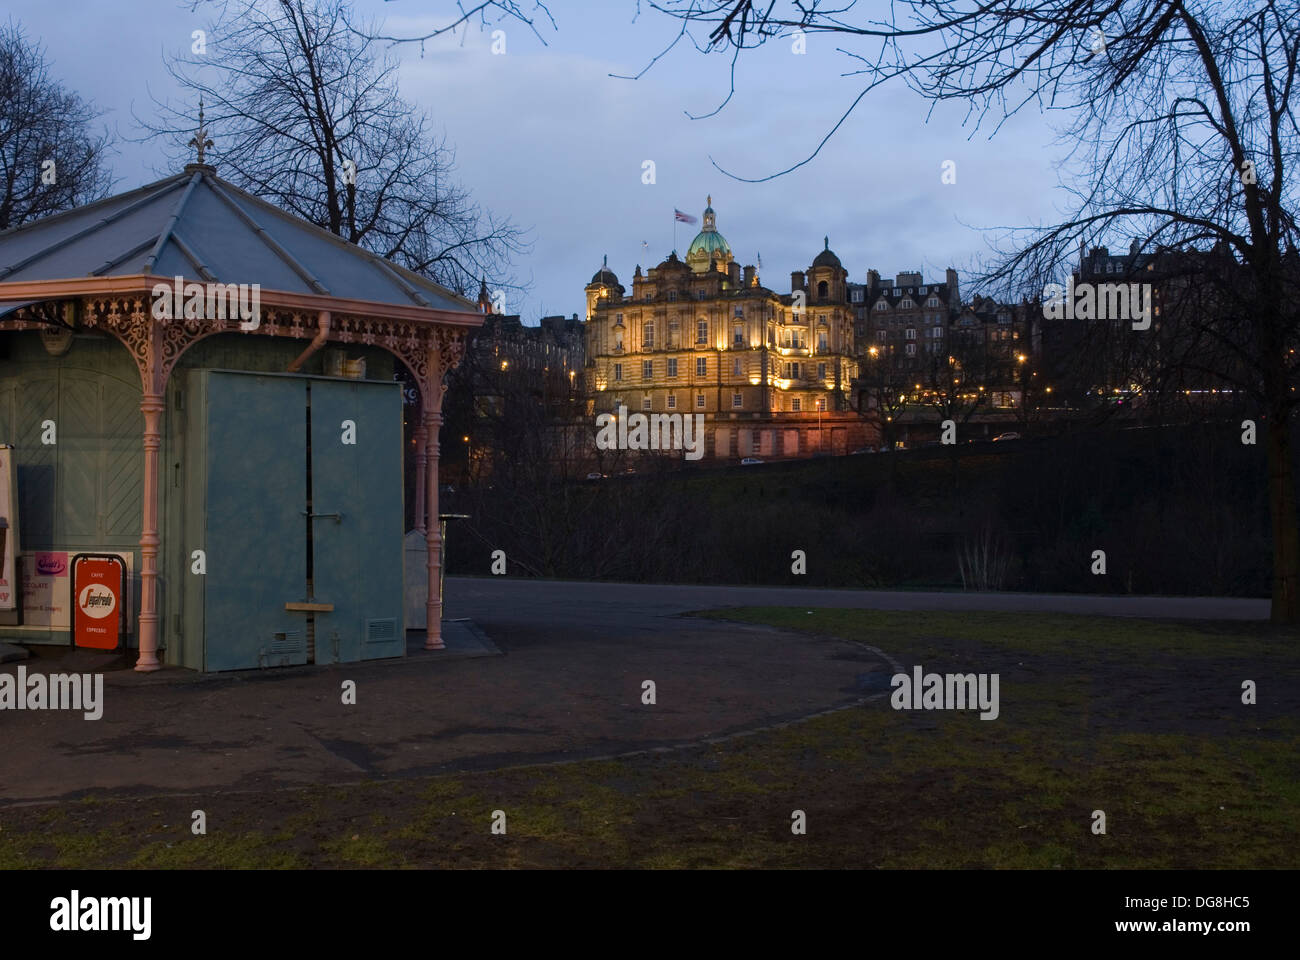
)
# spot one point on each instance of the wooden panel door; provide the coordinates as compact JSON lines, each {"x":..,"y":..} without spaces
{"x":357,"y":530}
{"x":254,"y":523}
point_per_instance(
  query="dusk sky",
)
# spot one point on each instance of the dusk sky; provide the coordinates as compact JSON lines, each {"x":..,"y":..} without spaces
{"x":545,"y":135}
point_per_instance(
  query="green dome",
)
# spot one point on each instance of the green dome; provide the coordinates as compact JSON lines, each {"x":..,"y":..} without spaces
{"x":709,"y":242}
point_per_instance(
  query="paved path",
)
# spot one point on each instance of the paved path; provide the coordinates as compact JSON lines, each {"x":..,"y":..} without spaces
{"x":569,"y":685}
{"x":480,"y":599}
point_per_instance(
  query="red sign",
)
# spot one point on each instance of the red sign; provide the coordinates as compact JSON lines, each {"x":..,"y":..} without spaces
{"x":97,"y":602}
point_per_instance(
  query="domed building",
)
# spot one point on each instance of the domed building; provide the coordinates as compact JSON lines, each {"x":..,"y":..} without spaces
{"x":709,"y":250}
{"x":604,"y":284}
{"x":769,"y":373}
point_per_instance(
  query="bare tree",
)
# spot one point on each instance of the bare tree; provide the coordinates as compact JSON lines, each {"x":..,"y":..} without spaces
{"x":957,"y":380}
{"x":305,"y":112}
{"x":50,"y":159}
{"x":484,"y":13}
{"x":1182,"y":133}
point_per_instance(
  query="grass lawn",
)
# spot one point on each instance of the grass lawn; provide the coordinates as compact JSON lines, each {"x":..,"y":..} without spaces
{"x":1140,"y":719}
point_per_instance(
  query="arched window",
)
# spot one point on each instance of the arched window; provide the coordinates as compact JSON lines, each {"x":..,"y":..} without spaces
{"x":822,"y":289}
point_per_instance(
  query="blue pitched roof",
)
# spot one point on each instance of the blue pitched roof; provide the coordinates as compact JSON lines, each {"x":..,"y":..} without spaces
{"x":198,"y":226}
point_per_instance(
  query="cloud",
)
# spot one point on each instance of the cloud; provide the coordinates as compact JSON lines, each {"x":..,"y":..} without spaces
{"x":545,"y":135}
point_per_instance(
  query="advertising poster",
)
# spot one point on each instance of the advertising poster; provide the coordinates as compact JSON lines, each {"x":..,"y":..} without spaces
{"x":45,"y":587}
{"x":100,"y":583}
{"x":8,"y":531}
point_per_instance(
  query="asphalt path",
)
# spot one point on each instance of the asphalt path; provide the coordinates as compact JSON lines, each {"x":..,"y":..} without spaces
{"x":569,"y":684}
{"x":491,"y":599}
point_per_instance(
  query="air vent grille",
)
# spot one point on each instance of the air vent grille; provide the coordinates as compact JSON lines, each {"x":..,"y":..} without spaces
{"x":288,"y":642}
{"x":381,"y":631}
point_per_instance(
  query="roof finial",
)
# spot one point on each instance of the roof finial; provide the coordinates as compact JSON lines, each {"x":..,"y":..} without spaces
{"x":827,"y":241}
{"x":709,"y":200}
{"x":604,"y":263}
{"x":200,"y":138}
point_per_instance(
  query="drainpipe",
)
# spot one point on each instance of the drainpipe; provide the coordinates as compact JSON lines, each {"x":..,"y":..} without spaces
{"x":317,"y":341}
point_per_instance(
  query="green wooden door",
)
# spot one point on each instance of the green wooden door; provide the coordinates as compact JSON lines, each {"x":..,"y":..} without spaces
{"x":254,"y":530}
{"x":302,"y":505}
{"x":357,"y":528}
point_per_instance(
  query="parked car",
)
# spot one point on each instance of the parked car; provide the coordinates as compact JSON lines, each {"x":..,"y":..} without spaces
{"x":1006,"y":436}
{"x":750,"y":461}
{"x":595,"y":476}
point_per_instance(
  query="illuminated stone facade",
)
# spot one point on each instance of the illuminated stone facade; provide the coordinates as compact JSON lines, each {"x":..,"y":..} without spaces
{"x":771,"y":373}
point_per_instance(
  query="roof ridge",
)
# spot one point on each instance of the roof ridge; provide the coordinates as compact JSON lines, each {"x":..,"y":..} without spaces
{"x":272,"y":244}
{"x":171,"y":224}
{"x":84,"y":231}
{"x":303,"y":223}
{"x":85,"y":207}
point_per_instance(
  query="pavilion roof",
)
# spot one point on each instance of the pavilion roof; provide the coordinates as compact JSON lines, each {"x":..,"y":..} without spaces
{"x":196,"y":225}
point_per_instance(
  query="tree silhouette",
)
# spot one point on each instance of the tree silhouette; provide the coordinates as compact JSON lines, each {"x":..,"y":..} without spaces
{"x":1181,"y":133}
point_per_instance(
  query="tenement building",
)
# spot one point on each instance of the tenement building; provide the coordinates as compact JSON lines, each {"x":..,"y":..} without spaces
{"x":903,"y":324}
{"x":925,"y":356}
{"x":771,"y":373}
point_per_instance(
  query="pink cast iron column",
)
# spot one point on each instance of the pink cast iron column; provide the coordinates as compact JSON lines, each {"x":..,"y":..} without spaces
{"x":432,"y":535}
{"x":432,"y":390}
{"x":421,"y":464}
{"x":152,"y":407}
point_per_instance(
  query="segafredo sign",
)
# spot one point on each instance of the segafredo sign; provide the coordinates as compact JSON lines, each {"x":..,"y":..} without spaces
{"x":97,"y":589}
{"x":97,"y":601}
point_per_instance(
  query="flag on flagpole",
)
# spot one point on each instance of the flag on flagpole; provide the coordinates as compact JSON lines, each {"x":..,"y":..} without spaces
{"x":682,"y":217}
